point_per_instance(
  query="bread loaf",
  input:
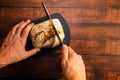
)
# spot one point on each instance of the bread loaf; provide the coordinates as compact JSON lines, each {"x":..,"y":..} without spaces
{"x":43,"y":35}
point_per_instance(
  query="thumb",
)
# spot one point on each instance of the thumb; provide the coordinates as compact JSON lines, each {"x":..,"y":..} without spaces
{"x":65,"y":52}
{"x":30,"y":53}
{"x":33,"y":51}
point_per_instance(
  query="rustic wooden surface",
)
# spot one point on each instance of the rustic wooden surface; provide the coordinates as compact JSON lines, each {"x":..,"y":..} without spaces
{"x":95,"y":34}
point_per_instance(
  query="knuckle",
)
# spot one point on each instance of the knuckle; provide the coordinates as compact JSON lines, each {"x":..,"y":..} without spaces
{"x":14,"y":28}
{"x":63,"y":62}
{"x":25,"y":31}
{"x":80,"y":56}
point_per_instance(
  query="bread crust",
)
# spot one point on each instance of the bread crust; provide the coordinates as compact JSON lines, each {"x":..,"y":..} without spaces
{"x":43,"y":35}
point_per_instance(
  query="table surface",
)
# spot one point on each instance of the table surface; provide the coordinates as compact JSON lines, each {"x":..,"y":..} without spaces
{"x":95,"y":34}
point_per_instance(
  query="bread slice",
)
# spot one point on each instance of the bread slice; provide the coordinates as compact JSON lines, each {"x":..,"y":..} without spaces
{"x":43,"y":35}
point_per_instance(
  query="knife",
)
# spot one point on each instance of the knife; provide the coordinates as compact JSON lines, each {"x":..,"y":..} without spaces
{"x":50,"y":18}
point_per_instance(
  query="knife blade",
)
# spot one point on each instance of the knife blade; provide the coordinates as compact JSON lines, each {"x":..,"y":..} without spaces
{"x":50,"y":18}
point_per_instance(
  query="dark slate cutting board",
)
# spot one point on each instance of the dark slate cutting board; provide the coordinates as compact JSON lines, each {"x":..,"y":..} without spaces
{"x":65,"y":28}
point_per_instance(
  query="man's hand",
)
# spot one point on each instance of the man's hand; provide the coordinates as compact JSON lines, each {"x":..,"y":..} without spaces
{"x":13,"y":47}
{"x":72,"y":64}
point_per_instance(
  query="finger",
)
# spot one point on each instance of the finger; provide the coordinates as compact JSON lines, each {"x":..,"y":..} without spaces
{"x":22,"y":26}
{"x":14,"y":29}
{"x":31,"y":52}
{"x":71,"y":52}
{"x":12,"y":32}
{"x":64,"y":53}
{"x":27,"y":30}
{"x":4,"y":42}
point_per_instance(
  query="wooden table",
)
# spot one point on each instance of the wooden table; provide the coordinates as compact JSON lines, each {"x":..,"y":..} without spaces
{"x":95,"y":34}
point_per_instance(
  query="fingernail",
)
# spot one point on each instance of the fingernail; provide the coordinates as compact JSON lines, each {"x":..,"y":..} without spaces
{"x":38,"y":49}
{"x":22,"y":21}
{"x":64,"y":46}
{"x":28,"y":20}
{"x":33,"y":23}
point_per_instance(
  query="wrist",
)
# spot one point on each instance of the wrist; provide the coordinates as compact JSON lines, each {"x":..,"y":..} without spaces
{"x":74,"y":78}
{"x":77,"y":77}
{"x":3,"y":60}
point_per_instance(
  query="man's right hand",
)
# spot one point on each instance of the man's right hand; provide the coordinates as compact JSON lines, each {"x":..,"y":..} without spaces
{"x":72,"y":64}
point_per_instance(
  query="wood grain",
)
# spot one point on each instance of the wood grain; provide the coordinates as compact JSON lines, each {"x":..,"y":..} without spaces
{"x":44,"y":69}
{"x":94,"y":47}
{"x":81,"y":15}
{"x":107,"y":75}
{"x":95,"y":34}
{"x":95,"y":31}
{"x":100,"y":70}
{"x":94,"y":40}
{"x":9,"y":17}
{"x":60,"y":3}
